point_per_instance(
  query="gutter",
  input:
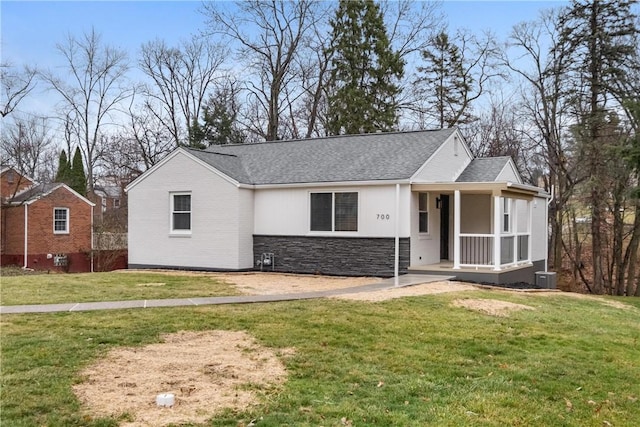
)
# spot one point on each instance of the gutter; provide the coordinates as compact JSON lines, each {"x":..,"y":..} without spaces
{"x":26,"y":235}
{"x":92,"y":239}
{"x":546,"y":224}
{"x":320,"y":184}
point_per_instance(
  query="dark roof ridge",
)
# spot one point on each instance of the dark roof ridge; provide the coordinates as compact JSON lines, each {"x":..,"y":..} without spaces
{"x":212,"y":152}
{"x":492,"y":157}
{"x":315,"y":139}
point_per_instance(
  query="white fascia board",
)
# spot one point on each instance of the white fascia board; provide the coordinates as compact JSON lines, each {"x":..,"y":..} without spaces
{"x":328,"y":184}
{"x":71,"y":190}
{"x":541,"y":192}
{"x":170,"y":156}
{"x":487,"y":185}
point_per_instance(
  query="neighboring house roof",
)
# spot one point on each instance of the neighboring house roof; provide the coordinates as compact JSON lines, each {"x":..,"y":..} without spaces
{"x":484,"y":169}
{"x":367,"y":157}
{"x":112,"y":192}
{"x":7,"y":168}
{"x":108,"y":187}
{"x":39,"y":191}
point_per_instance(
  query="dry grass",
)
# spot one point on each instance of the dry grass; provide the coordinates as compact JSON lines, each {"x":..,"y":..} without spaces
{"x":491,"y":307}
{"x":206,"y":371}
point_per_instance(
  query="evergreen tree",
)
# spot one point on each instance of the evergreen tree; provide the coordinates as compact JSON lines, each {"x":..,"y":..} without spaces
{"x":362,"y":89}
{"x":64,"y":168}
{"x":78,"y":179}
{"x":197,"y":135}
{"x":598,"y":36}
{"x":219,"y":121}
{"x":445,"y":82}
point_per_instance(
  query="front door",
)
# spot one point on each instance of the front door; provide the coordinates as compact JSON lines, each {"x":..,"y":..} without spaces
{"x":444,"y":226}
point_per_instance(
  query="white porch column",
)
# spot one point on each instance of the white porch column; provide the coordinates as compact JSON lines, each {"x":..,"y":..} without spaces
{"x":396,"y":255}
{"x":497,"y":230}
{"x":514,"y":224}
{"x":456,"y":230}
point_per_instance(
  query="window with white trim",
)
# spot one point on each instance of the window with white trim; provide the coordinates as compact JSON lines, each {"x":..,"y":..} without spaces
{"x":423,"y":212}
{"x":334,"y":211}
{"x":181,"y":213}
{"x":61,"y":220}
{"x":506,"y":215}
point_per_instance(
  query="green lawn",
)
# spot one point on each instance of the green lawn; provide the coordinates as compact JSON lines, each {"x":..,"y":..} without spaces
{"x":570,"y":362}
{"x":61,"y":288}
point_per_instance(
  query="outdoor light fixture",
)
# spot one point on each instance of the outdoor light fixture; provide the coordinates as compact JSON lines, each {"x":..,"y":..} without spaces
{"x":438,"y":202}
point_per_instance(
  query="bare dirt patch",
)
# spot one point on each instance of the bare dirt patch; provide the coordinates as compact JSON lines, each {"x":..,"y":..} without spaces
{"x":206,"y":371}
{"x":408,"y":291}
{"x":490,"y":306}
{"x":266,"y":283}
{"x":263,"y":283}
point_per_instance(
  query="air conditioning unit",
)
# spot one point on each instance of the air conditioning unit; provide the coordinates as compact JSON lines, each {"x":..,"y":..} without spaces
{"x":546,"y":279}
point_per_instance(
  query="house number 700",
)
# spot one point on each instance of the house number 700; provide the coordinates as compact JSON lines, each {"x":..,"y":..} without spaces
{"x":384,"y":217}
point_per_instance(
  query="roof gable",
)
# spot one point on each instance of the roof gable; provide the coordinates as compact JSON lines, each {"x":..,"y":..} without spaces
{"x":487,"y":169}
{"x":37,"y":192}
{"x":226,"y":167}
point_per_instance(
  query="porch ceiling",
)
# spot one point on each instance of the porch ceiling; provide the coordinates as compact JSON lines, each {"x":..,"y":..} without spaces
{"x":502,"y":189}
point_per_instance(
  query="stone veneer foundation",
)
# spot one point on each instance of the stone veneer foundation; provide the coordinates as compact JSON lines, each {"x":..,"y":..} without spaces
{"x":346,"y":256}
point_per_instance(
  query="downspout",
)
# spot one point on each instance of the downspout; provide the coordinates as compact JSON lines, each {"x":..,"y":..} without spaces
{"x":396,"y":263}
{"x":546,"y":225}
{"x":92,"y":239}
{"x":26,"y":235}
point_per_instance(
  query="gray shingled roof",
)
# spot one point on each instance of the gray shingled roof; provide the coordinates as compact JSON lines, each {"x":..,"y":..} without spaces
{"x":484,"y":169}
{"x":369,"y":157}
{"x":34,"y":192}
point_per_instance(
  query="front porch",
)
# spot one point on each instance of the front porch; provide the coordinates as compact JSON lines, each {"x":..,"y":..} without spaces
{"x":507,"y":275}
{"x":484,"y":231}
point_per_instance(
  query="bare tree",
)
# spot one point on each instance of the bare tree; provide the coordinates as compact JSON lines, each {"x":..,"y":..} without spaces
{"x":141,"y":142}
{"x":92,"y":89}
{"x":500,"y":131}
{"x":410,"y":24}
{"x":16,"y":85}
{"x":182,"y":78}
{"x":314,"y":65}
{"x":545,"y":105}
{"x":269,"y":37}
{"x":27,"y":144}
{"x":457,"y":71}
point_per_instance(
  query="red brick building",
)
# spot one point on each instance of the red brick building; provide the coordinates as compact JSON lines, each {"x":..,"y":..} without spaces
{"x":44,"y":226}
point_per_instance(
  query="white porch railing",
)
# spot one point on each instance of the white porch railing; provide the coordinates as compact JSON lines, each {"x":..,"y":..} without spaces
{"x":477,"y":250}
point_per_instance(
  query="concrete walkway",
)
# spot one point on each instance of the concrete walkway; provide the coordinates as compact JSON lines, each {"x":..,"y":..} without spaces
{"x":404,"y":280}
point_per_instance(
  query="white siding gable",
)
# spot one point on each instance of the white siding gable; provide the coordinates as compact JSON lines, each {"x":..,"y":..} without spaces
{"x":221,"y":218}
{"x":446,"y":163}
{"x":509,"y":174}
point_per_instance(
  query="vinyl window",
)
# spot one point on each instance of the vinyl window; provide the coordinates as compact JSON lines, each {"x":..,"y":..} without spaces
{"x":334,"y":211}
{"x":61,"y":220}
{"x":506,"y":215}
{"x":181,"y":213}
{"x":423,"y":212}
